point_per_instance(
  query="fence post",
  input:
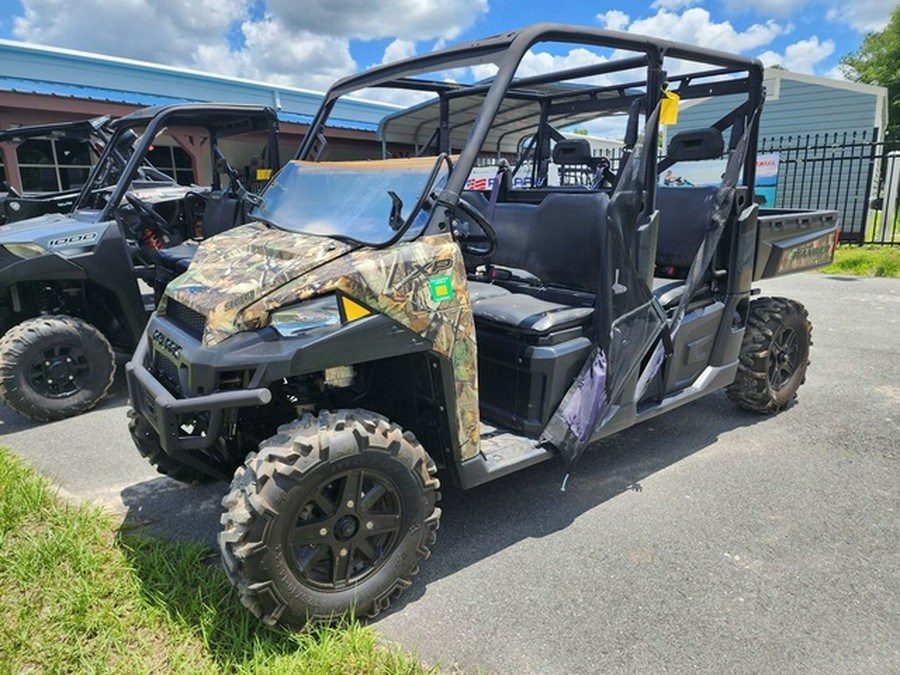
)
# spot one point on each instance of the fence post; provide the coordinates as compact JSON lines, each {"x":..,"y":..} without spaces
{"x":891,"y":195}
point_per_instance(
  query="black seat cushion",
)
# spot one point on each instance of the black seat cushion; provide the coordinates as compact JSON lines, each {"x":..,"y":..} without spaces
{"x":685,"y":216}
{"x":479,"y":290}
{"x":176,"y":258}
{"x":525,"y":313}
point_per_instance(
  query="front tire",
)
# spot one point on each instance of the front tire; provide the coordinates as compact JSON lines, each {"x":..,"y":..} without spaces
{"x":332,"y":515}
{"x":147,"y":442}
{"x":774,"y":356}
{"x":53,"y":367}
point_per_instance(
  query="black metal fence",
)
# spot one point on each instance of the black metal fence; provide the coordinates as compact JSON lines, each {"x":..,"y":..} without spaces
{"x":851,"y":172}
{"x":854,"y":173}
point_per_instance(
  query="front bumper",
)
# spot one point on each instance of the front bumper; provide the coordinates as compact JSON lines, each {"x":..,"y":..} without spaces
{"x":164,"y":412}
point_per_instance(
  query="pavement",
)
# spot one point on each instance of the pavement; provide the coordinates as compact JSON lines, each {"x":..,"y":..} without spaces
{"x":706,"y":540}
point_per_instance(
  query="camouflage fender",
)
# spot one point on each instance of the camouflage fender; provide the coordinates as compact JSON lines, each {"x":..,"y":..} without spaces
{"x":239,"y":276}
{"x":420,"y":284}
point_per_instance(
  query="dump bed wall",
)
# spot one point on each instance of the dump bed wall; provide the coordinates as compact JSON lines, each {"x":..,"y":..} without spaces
{"x":793,"y":240}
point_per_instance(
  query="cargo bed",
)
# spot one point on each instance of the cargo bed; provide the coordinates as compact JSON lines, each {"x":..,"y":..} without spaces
{"x":793,"y":240}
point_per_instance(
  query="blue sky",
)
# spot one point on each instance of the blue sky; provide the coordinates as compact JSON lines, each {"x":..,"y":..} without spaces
{"x":311,"y":43}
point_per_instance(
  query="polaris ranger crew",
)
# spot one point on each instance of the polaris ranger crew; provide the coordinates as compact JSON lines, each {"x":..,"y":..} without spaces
{"x":76,"y":288}
{"x":381,"y":323}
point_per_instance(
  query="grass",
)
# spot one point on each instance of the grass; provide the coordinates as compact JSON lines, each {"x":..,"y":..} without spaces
{"x":865,"y":261}
{"x":874,"y":229}
{"x":79,"y":596}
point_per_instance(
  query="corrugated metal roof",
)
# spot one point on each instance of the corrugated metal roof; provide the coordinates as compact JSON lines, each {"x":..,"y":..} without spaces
{"x":22,"y":86}
{"x":89,"y":93}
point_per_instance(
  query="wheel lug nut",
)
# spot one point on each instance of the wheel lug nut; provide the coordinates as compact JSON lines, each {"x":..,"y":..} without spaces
{"x":49,"y":381}
{"x":370,"y":525}
{"x":323,"y":531}
{"x":350,"y":504}
{"x":71,"y":377}
{"x":343,"y":553}
{"x":46,"y":363}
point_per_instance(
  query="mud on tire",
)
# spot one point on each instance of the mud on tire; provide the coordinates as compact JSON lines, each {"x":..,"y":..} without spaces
{"x":53,"y":367}
{"x":333,"y":514}
{"x":774,"y":355}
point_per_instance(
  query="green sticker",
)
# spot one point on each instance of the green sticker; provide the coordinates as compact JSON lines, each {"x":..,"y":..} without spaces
{"x":441,"y":288}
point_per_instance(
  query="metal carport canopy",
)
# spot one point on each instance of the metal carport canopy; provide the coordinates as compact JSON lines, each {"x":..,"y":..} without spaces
{"x":517,"y":118}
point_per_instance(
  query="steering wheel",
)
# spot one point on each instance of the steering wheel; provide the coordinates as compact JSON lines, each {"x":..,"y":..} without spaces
{"x":468,"y":241}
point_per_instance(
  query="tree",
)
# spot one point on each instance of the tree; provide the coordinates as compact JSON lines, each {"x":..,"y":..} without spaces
{"x":878,"y":62}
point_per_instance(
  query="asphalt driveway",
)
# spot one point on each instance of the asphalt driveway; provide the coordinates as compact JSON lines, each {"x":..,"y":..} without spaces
{"x":706,"y":540}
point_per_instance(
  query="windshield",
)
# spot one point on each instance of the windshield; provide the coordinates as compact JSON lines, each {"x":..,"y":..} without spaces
{"x":350,"y":200}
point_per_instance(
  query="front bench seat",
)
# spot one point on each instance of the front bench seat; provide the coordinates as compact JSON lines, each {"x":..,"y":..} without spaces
{"x":524,"y":313}
{"x":479,"y":290}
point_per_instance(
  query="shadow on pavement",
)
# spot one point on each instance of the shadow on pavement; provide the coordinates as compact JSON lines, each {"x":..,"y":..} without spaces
{"x":480,"y":522}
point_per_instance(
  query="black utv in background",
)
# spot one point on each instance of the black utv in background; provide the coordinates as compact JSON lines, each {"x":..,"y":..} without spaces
{"x":383,"y":322}
{"x":78,"y":144}
{"x":76,"y":288}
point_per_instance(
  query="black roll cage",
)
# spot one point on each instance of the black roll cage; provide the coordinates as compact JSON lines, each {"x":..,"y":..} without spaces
{"x":219,"y":120}
{"x":732,"y":75}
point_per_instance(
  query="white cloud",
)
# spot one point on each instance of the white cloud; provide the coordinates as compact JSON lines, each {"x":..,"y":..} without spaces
{"x":164,"y":31}
{"x":399,"y":49}
{"x":304,"y":44}
{"x":614,"y":19}
{"x":364,"y":19}
{"x":800,"y":57}
{"x":864,"y":16}
{"x":536,"y":63}
{"x":675,"y":4}
{"x":836,"y":73}
{"x":272,"y":53}
{"x":695,"y":26}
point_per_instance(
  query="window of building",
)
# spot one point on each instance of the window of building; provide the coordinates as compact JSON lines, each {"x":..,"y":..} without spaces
{"x":53,"y":165}
{"x":173,"y":161}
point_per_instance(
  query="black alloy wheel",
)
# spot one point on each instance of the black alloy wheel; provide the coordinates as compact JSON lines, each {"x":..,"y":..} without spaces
{"x":345,"y":531}
{"x":333,"y":515}
{"x":53,"y":367}
{"x":774,"y":355}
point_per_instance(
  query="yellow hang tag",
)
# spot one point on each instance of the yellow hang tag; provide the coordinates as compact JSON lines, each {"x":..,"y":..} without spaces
{"x":263,"y":174}
{"x":668,"y":113}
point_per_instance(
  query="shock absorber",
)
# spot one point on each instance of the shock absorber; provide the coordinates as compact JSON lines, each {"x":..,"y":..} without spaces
{"x":151,"y":240}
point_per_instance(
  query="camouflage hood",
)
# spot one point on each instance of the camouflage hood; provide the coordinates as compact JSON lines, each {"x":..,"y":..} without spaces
{"x":237,"y":267}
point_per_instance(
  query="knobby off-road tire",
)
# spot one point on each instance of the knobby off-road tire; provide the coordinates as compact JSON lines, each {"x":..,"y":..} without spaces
{"x":53,"y":367}
{"x":147,"y":441}
{"x":333,"y":514}
{"x":774,"y":356}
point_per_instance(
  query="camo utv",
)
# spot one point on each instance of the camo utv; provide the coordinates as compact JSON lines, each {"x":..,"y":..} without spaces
{"x":453,"y":309}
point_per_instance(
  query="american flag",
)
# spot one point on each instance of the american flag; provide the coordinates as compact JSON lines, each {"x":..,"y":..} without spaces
{"x":481,"y":184}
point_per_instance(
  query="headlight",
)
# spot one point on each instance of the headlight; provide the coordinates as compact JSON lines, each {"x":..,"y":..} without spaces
{"x":306,"y":316}
{"x":25,"y":250}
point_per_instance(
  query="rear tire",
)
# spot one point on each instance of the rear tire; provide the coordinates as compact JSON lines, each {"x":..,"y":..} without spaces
{"x":332,"y":515}
{"x":774,"y":356}
{"x":53,"y":367}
